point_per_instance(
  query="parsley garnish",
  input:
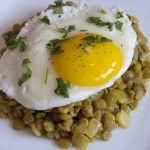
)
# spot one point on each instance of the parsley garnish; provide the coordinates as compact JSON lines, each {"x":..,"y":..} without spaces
{"x":28,"y":72}
{"x":66,"y":30}
{"x":54,"y":46}
{"x":62,"y":88}
{"x":83,"y":30}
{"x":94,"y":39}
{"x":97,"y":21}
{"x":118,"y":25}
{"x":119,"y":15}
{"x":97,"y":39}
{"x":58,"y":9}
{"x":46,"y":76}
{"x":9,"y":35}
{"x":46,"y":20}
{"x":11,"y":41}
{"x":23,"y":44}
{"x":59,"y":3}
{"x":102,"y":11}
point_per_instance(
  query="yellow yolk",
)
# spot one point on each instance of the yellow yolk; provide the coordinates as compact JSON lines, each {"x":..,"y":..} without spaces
{"x":87,"y":66}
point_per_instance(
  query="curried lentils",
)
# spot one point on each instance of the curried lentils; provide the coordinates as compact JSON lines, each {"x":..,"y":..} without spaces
{"x":79,"y":123}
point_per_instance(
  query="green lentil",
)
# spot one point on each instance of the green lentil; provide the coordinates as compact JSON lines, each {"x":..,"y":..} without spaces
{"x":39,"y":124}
{"x":35,"y":130}
{"x":100,"y":104}
{"x":106,"y":135}
{"x":49,"y":126}
{"x":28,"y":119}
{"x":3,"y":114}
{"x":64,"y":143}
{"x":18,"y":124}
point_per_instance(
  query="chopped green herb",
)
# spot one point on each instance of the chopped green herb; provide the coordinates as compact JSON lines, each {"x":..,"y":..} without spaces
{"x":71,"y":28}
{"x":97,"y":39}
{"x":110,"y":26}
{"x":58,"y":10}
{"x":46,"y":20}
{"x":62,"y":88}
{"x":119,"y":15}
{"x":23,"y":43}
{"x":83,"y":30}
{"x":140,"y":54}
{"x":27,"y":74}
{"x":103,"y":40}
{"x":11,"y":41}
{"x":9,"y":35}
{"x":118,"y":25}
{"x":54,"y":46}
{"x":11,"y":44}
{"x":59,"y":3}
{"x":91,"y":39}
{"x":62,"y":30}
{"x":46,"y":76}
{"x":66,"y":30}
{"x":97,"y":21}
{"x":25,"y":62}
{"x":56,"y":50}
{"x":102,"y":11}
{"x":52,"y":43}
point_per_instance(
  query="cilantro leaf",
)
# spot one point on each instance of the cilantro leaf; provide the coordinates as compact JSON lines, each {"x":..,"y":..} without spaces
{"x":25,"y":62}
{"x":71,"y":28}
{"x":97,"y":21}
{"x":46,"y":20}
{"x":94,"y":39}
{"x":62,"y":88}
{"x":119,"y":15}
{"x":97,"y":39}
{"x":46,"y":76}
{"x":11,"y":44}
{"x":118,"y":25}
{"x":104,"y":40}
{"x":23,"y":43}
{"x":11,"y":41}
{"x":9,"y":35}
{"x":56,"y":50}
{"x":27,"y":74}
{"x":54,"y":46}
{"x":66,"y":30}
{"x":58,"y":10}
{"x":83,"y":30}
{"x":59,"y":2}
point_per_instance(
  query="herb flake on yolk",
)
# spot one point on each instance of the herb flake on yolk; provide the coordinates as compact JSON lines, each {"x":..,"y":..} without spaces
{"x":103,"y":61}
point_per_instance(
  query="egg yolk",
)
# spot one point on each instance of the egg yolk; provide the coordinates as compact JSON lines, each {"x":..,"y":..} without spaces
{"x":87,"y":65}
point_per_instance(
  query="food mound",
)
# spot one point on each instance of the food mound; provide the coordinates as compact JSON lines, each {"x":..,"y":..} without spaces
{"x":79,"y":71}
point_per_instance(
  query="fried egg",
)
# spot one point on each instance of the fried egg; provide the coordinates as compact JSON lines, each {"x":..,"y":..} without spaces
{"x":91,"y":57}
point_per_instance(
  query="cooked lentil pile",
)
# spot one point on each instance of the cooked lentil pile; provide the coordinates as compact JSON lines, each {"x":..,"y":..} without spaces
{"x":79,"y":123}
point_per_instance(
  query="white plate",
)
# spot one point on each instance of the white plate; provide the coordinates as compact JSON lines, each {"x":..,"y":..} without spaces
{"x":137,"y":137}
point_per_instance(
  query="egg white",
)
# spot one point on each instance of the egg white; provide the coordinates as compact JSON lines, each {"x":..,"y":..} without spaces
{"x":34,"y":93}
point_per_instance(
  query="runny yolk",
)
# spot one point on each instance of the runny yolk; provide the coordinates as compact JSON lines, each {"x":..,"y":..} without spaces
{"x":92,"y":65}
